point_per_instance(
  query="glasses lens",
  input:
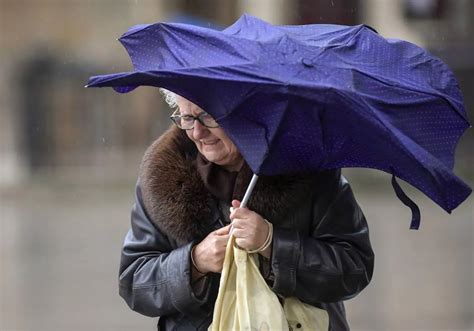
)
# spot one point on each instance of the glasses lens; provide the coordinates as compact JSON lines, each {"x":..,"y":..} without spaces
{"x":186,"y":122}
{"x":208,"y":121}
{"x":177,"y":119}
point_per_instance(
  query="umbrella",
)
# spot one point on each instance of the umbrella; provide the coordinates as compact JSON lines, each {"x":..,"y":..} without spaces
{"x":312,"y":97}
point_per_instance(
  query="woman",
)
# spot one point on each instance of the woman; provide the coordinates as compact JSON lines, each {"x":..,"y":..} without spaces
{"x":173,"y":254}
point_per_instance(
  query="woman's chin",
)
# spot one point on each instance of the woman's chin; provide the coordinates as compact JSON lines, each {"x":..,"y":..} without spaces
{"x":211,"y":156}
{"x":211,"y":152}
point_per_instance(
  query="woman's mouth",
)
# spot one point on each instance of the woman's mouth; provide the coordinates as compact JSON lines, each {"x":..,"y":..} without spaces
{"x":208,"y":143}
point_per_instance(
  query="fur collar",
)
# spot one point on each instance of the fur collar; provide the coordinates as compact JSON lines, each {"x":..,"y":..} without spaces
{"x":177,"y":201}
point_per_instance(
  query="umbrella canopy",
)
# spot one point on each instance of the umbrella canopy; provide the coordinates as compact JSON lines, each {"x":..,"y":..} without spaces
{"x":312,"y":97}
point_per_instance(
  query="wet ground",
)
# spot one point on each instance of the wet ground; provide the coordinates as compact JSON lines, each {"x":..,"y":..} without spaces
{"x":60,"y":246}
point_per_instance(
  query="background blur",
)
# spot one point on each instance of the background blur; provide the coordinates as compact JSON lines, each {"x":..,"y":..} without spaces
{"x":69,"y":159}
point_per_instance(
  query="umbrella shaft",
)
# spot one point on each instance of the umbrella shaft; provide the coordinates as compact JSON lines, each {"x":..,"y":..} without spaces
{"x":248,"y":193}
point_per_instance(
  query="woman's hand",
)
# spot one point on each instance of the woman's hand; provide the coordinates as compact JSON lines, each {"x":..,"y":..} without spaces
{"x":249,"y":228}
{"x":208,"y":255}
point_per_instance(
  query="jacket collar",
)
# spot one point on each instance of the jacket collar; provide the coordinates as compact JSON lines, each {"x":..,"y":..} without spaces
{"x":177,"y":201}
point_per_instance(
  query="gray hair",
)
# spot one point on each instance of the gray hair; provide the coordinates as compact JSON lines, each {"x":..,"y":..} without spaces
{"x":170,"y":98}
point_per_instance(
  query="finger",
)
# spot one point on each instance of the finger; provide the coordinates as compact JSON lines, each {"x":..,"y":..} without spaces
{"x":240,"y":213}
{"x":223,"y":231}
{"x":240,"y":223}
{"x":222,"y":240}
{"x":240,"y":233}
{"x":248,"y":223}
{"x":242,"y":243}
{"x":235,"y":204}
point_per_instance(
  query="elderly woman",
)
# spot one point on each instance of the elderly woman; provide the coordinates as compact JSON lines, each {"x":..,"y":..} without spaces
{"x":173,"y":254}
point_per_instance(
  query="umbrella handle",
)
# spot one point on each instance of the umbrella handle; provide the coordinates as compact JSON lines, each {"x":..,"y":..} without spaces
{"x":249,"y":191}
{"x":247,"y":195}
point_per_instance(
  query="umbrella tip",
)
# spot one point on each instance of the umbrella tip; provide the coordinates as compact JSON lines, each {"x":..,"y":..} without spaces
{"x":86,"y":86}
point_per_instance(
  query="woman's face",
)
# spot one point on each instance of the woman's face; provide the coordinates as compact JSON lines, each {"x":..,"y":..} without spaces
{"x":212,"y":143}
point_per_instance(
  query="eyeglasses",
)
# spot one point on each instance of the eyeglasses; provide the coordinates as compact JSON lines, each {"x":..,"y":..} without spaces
{"x":186,"y":122}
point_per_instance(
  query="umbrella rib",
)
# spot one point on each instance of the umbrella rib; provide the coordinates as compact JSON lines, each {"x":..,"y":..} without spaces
{"x":250,"y":74}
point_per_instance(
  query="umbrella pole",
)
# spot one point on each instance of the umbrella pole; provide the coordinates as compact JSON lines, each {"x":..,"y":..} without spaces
{"x":249,"y":191}
{"x":247,"y":195}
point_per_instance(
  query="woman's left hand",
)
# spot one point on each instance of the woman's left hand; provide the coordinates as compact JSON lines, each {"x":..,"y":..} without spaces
{"x":249,"y":228}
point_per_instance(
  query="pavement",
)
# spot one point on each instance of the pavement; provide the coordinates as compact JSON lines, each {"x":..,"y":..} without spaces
{"x":60,"y":246}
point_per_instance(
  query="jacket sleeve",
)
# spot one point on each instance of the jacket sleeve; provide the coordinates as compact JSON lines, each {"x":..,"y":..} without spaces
{"x":155,"y":280}
{"x":334,"y":261}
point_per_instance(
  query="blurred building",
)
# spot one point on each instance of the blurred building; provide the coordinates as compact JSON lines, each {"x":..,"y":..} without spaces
{"x":50,"y":48}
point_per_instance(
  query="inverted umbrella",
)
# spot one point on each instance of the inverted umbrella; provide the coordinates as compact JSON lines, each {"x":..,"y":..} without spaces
{"x":312,"y":97}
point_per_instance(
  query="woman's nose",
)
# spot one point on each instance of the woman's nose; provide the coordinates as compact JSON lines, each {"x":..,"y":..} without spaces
{"x":199,"y":131}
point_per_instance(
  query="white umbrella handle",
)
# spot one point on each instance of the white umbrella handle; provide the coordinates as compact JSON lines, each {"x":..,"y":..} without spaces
{"x":247,"y":195}
{"x":249,"y":191}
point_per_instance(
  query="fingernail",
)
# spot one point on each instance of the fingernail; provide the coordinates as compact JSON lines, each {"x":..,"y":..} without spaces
{"x":231,"y":209}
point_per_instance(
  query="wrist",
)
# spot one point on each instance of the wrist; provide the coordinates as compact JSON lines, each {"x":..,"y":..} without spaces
{"x":268,"y":241}
{"x":198,"y":269}
{"x":267,"y":253}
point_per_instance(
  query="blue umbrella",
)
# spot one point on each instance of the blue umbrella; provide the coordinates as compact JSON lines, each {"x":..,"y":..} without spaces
{"x":312,"y":97}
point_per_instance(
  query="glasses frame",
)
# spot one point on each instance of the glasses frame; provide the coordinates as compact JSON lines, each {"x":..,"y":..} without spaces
{"x":176,"y":116}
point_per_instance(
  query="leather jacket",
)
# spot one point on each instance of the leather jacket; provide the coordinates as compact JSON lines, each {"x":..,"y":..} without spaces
{"x":321,"y":249}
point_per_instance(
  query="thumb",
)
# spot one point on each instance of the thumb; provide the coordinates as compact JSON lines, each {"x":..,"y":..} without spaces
{"x":223,"y":231}
{"x":235,"y":203}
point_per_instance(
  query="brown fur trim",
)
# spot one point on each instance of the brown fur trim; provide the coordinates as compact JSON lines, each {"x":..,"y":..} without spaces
{"x":173,"y":193}
{"x":179,"y":204}
{"x":275,"y":197}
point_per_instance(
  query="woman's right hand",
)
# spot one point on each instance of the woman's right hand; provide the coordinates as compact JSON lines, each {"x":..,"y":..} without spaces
{"x":208,"y":255}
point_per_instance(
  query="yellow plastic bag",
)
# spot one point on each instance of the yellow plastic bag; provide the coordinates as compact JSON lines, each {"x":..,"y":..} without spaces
{"x":245,"y":302}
